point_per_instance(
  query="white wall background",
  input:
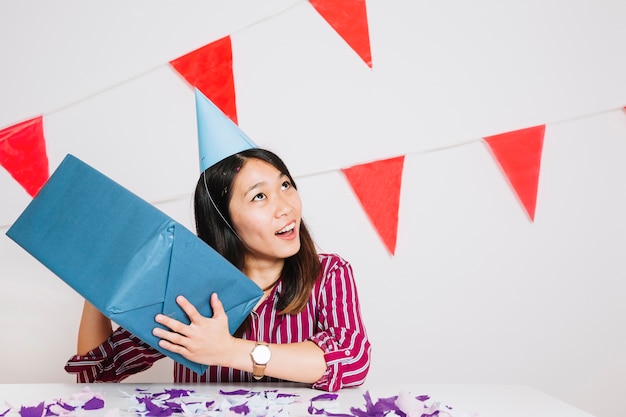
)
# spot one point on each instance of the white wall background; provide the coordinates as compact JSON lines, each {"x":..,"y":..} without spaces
{"x":476,"y":293}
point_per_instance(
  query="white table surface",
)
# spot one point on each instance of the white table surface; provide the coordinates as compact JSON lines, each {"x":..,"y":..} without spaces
{"x":485,"y":400}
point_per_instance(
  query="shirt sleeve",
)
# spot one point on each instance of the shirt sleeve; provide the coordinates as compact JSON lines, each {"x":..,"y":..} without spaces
{"x":342,"y":337}
{"x":119,"y":357}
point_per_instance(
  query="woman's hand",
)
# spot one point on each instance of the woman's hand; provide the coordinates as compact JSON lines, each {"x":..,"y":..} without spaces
{"x":205,"y":340}
{"x":208,"y":341}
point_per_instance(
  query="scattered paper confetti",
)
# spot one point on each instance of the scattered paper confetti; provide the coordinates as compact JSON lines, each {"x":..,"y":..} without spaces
{"x":401,"y":405}
{"x":267,"y":403}
{"x":84,"y":400}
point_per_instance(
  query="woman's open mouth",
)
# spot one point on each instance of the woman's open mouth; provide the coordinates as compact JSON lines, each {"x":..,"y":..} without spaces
{"x":287,"y":229}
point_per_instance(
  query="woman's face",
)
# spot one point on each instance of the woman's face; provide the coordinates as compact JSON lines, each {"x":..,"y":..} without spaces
{"x":266,"y":210}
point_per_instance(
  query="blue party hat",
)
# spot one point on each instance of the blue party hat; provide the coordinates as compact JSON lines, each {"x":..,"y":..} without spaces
{"x":218,"y":136}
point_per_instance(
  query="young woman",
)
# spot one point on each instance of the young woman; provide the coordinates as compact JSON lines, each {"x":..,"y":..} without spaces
{"x":306,"y":328}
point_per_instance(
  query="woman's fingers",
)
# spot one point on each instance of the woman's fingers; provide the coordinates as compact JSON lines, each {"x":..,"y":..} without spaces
{"x":172,"y":324}
{"x":173,"y":347}
{"x":203,"y":340}
{"x":179,"y":329}
{"x":175,"y":325}
{"x":189,"y":309}
{"x":217,"y":306}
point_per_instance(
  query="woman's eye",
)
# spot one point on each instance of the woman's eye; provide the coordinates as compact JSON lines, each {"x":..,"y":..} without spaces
{"x":286,"y":185}
{"x":259,"y":196}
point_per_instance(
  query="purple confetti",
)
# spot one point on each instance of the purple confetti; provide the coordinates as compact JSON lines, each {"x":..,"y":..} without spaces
{"x":236,"y":392}
{"x":60,"y":404}
{"x":65,"y":406}
{"x":329,"y":414}
{"x":177,"y":393}
{"x":49,"y":412}
{"x":313,"y":411}
{"x":5,"y":413}
{"x":324,"y":397}
{"x":286,"y":395}
{"x":153,"y":409}
{"x":379,"y":409}
{"x":94,"y":404}
{"x":422,"y":398}
{"x":240,"y":409}
{"x":34,"y":411}
{"x":175,"y":407}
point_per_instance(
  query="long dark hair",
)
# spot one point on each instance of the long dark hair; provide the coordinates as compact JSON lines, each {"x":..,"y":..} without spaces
{"x":214,"y":226}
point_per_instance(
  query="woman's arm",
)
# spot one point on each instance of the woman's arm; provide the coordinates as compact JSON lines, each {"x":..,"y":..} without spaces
{"x":94,"y":329}
{"x":207,"y":340}
{"x":104,"y":355}
{"x":342,"y":335}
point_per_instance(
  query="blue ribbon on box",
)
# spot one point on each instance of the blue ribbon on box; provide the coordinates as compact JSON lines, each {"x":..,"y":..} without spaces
{"x":126,"y":257}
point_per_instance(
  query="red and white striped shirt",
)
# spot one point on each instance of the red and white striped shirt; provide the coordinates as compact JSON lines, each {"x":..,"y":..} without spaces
{"x":331,"y":319}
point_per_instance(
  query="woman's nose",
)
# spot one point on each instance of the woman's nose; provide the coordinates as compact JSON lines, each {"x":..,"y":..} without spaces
{"x":284,"y":207}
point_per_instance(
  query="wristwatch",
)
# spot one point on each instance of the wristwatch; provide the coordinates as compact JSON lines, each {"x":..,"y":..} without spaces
{"x":261,"y":355}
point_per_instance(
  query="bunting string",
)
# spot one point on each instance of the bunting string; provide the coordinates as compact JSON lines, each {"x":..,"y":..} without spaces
{"x":148,"y":72}
{"x":187,"y":196}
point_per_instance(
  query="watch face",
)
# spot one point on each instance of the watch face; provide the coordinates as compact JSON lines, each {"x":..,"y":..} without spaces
{"x":261,"y":354}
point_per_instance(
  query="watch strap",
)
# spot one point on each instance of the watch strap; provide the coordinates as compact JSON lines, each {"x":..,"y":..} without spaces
{"x":258,"y":369}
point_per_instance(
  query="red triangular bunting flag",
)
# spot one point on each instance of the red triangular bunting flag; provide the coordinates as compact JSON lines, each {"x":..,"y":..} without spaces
{"x":23,"y":154}
{"x":349,"y":19}
{"x":519,"y":155}
{"x":210,"y":70}
{"x":377,"y":186}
